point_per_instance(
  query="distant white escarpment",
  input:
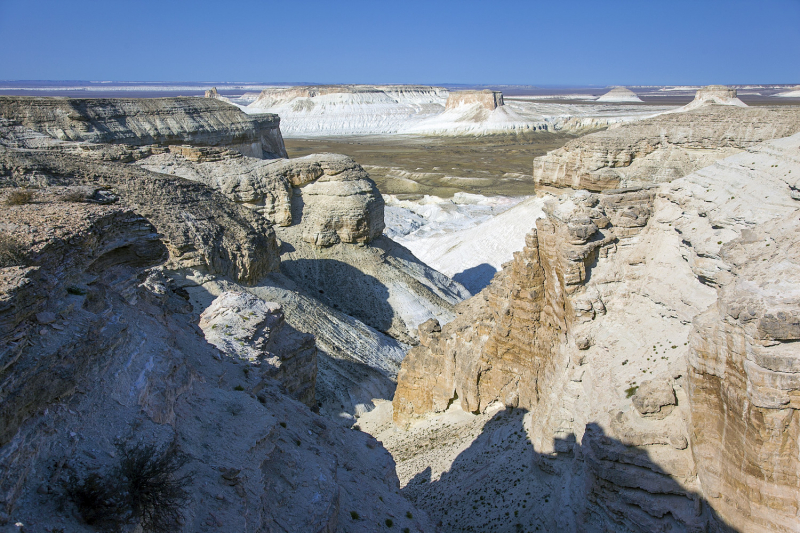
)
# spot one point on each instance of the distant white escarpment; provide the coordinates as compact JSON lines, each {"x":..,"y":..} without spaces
{"x":333,"y":110}
{"x":349,"y":109}
{"x":794,"y":92}
{"x":619,"y":94}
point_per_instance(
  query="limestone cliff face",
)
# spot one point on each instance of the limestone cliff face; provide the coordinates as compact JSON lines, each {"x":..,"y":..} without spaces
{"x":744,"y":382}
{"x":147,"y":121}
{"x":502,"y":345}
{"x":650,"y":334}
{"x":662,"y":148}
{"x":489,"y":100}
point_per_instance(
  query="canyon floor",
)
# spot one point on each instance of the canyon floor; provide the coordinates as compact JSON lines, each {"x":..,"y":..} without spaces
{"x":413,"y":166}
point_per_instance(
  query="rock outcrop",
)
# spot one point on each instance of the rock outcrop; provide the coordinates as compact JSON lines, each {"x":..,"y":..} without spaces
{"x":100,"y":353}
{"x":202,"y":229}
{"x":246,"y":327}
{"x":619,"y":95}
{"x":489,"y":100}
{"x":649,"y":334}
{"x":148,"y":121}
{"x":661,"y":148}
{"x":333,"y":198}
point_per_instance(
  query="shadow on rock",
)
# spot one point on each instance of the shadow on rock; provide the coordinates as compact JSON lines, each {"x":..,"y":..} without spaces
{"x":343,"y":287}
{"x":476,"y":278}
{"x":501,"y":484}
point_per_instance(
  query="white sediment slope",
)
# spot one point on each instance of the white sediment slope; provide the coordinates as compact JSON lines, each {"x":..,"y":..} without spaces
{"x":468,"y":237}
{"x":794,"y":92}
{"x":619,"y":95}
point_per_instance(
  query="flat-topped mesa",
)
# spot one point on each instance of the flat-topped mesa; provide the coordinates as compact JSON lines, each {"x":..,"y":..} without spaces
{"x":715,"y":95}
{"x":487,"y":99}
{"x":363,"y":93}
{"x":619,"y":94}
{"x":148,"y":121}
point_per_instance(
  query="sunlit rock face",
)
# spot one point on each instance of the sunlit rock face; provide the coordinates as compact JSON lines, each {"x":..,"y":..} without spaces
{"x":715,"y":95}
{"x":619,"y":95}
{"x":486,"y":99}
{"x":651,"y":334}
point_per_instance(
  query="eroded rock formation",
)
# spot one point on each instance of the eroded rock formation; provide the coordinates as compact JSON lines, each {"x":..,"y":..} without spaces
{"x":650,"y":336}
{"x":661,"y":148}
{"x":244,"y":326}
{"x":100,"y":352}
{"x":148,"y":121}
{"x":715,"y":95}
{"x":619,"y":94}
{"x":334,"y":199}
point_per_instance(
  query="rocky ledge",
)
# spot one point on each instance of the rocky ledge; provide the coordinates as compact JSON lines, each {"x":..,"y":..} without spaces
{"x":486,"y":99}
{"x":661,"y":148}
{"x":148,"y":121}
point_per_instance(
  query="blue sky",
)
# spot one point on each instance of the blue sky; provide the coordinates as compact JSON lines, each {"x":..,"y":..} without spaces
{"x":515,"y":42}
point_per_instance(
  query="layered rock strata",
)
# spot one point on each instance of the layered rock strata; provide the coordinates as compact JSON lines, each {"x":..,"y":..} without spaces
{"x":650,"y":336}
{"x":333,"y":197}
{"x":148,"y":121}
{"x":661,"y":148}
{"x":201,"y":228}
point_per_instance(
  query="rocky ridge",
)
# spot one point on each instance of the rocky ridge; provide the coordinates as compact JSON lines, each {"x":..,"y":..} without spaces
{"x":148,"y":121}
{"x":106,"y":269}
{"x":643,"y":332}
{"x":661,"y":148}
{"x":334,"y":198}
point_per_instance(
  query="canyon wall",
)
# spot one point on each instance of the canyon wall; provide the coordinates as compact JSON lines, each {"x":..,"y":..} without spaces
{"x":147,"y":121}
{"x":649,"y":334}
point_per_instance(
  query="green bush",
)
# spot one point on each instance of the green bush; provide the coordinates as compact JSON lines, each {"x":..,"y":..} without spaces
{"x":11,"y":251}
{"x":19,"y":197}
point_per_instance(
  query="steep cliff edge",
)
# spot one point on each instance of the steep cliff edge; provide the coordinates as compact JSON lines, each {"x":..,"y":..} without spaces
{"x":649,"y":335}
{"x":661,"y":148}
{"x":330,"y":218}
{"x":147,"y":121}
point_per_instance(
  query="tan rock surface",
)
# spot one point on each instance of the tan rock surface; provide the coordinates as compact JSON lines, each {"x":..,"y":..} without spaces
{"x":661,"y":148}
{"x":333,"y":197}
{"x":489,"y":100}
{"x":655,"y":398}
